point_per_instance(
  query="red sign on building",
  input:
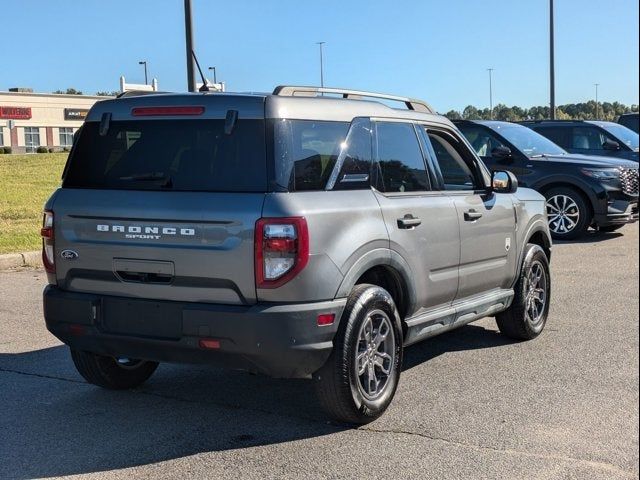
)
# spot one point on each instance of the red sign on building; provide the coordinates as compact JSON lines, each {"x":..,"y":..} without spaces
{"x":15,"y":113}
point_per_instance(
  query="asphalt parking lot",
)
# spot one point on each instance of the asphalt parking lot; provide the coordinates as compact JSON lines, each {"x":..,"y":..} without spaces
{"x":471,"y":404}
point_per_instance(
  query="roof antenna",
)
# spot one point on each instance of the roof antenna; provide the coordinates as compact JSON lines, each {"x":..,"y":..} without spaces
{"x":205,"y":84}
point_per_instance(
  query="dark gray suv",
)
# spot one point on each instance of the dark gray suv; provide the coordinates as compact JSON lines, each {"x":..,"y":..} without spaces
{"x":304,"y":232}
{"x":581,"y":191}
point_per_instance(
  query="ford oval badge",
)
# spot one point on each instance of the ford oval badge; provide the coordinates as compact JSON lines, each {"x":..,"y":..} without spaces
{"x":69,"y":254}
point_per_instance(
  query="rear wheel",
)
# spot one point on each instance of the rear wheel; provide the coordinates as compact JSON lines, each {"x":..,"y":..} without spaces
{"x":112,"y":373}
{"x":526,"y":317}
{"x":359,"y":380}
{"x":568,"y":212}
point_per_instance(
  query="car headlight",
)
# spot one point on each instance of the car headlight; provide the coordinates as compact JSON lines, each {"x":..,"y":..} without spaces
{"x":604,"y":174}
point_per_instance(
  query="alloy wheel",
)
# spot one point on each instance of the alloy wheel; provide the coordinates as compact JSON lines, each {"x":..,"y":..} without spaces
{"x":375,"y":354}
{"x":536,"y":296}
{"x":563,"y":213}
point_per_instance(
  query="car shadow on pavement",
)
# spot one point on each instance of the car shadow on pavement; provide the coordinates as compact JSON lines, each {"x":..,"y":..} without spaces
{"x":469,"y":337}
{"x":592,"y":236}
{"x":56,"y":424}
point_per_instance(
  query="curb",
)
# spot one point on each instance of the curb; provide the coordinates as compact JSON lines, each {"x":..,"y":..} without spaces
{"x":15,"y":260}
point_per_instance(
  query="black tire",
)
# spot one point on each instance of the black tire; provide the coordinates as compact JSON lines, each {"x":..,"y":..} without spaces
{"x":579,"y":203}
{"x":610,"y":228}
{"x":340,"y":390}
{"x":107,"y":372}
{"x":516,"y":322}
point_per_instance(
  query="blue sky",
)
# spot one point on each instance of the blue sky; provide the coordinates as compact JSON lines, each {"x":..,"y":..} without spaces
{"x":435,"y":50}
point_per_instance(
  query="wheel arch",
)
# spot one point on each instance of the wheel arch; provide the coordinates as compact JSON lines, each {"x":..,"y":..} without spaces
{"x":387,"y":269}
{"x":563,"y":182}
{"x":540,"y":237}
{"x":538,"y":234}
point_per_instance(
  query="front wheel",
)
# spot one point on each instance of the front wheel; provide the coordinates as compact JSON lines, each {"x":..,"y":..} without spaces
{"x":568,"y":212}
{"x":527,"y":315}
{"x":359,"y":380}
{"x":112,"y":373}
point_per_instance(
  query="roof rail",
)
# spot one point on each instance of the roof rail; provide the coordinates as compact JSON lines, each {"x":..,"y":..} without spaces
{"x":299,"y":91}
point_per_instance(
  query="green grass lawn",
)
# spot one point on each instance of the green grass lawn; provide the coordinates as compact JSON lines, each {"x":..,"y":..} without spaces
{"x":26,"y":181}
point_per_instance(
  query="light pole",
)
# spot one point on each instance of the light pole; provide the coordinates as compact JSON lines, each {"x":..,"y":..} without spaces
{"x":597,"y":106}
{"x":144,"y":62}
{"x":188,"y":30}
{"x":214,"y":74}
{"x":490,"y":70}
{"x":321,"y":64}
{"x":552,"y":68}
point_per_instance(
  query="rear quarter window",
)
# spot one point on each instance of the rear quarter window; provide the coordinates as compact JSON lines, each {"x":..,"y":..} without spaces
{"x":305,"y":152}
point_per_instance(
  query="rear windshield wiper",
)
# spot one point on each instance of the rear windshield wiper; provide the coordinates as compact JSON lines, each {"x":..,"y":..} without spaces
{"x":150,"y":177}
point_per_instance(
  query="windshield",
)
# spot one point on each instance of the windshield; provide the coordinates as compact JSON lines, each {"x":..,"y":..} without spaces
{"x":527,"y":141}
{"x":623,"y":134}
{"x":170,"y":155}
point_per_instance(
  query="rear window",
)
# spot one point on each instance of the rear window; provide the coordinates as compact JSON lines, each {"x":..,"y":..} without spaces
{"x":172,"y":155}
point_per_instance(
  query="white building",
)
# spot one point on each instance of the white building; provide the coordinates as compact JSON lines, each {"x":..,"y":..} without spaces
{"x":30,"y":120}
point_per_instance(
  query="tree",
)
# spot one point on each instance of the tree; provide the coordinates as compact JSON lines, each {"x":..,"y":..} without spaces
{"x":107,"y":94}
{"x":69,"y":91}
{"x":470,"y":113}
{"x":453,"y":115}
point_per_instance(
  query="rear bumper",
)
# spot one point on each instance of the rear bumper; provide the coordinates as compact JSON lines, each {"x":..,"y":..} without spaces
{"x":281,"y":340}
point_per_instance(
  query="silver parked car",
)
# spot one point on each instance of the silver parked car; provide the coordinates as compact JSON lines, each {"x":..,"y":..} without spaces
{"x":311,"y":231}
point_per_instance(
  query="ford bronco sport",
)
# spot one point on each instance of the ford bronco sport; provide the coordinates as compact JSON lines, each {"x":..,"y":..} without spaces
{"x":306,"y":232}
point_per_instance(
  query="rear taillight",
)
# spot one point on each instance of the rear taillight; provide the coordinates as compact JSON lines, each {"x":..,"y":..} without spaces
{"x":48,"y":238}
{"x":281,"y":250}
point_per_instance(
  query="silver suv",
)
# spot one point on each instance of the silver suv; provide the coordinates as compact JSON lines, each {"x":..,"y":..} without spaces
{"x":311,"y":231}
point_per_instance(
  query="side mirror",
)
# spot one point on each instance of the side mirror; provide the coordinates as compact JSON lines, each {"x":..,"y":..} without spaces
{"x":610,"y":145}
{"x":503,"y":182}
{"x":501,"y":152}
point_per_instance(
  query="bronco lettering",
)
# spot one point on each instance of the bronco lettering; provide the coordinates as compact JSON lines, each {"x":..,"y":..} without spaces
{"x":151,"y":232}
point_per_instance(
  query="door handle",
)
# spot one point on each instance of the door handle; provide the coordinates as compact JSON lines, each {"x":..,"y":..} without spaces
{"x":471,"y":215}
{"x":408,"y":221}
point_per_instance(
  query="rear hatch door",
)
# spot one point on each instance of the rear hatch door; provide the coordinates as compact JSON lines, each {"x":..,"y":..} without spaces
{"x":163,"y":207}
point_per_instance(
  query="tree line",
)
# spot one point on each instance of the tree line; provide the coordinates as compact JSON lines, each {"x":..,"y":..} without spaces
{"x":73,"y":91}
{"x":571,"y":111}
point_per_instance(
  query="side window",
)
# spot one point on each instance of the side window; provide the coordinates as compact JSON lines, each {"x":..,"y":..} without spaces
{"x":587,"y":138}
{"x":306,"y":151}
{"x":481,"y":139}
{"x":558,"y":135}
{"x":352,"y":170}
{"x":400,"y":160}
{"x":447,"y":152}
